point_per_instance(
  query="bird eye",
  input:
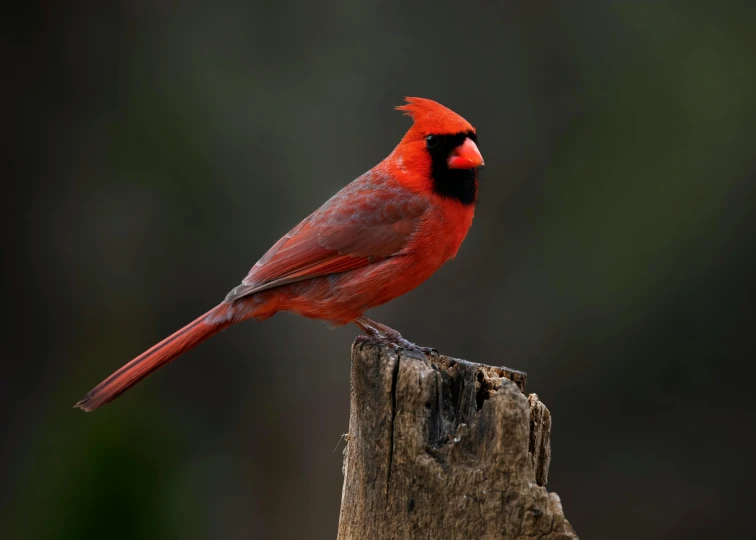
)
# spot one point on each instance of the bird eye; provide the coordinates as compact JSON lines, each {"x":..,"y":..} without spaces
{"x":431,"y":141}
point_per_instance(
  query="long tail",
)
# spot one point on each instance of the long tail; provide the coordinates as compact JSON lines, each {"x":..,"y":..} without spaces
{"x":154,"y":358}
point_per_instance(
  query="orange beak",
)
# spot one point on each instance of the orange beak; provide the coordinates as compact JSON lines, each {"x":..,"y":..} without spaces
{"x":465,"y":156}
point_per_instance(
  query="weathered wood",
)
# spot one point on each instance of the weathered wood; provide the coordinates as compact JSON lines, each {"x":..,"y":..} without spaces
{"x":540,"y":439}
{"x":445,"y":449}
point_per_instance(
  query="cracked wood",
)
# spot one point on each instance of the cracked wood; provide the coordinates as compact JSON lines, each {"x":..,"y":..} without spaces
{"x":443,"y":448}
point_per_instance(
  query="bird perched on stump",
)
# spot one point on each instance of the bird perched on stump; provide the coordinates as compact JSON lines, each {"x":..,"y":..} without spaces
{"x":379,"y":237}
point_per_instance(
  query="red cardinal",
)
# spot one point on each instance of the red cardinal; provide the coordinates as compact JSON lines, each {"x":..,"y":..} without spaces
{"x":378,"y":238}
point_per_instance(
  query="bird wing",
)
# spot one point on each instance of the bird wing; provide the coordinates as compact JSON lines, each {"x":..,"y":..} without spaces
{"x":362,"y":224}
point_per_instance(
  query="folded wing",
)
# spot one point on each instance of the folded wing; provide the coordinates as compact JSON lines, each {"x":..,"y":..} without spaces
{"x":361,"y":225}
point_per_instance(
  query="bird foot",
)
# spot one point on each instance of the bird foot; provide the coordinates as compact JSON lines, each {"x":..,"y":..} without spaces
{"x":391,"y":338}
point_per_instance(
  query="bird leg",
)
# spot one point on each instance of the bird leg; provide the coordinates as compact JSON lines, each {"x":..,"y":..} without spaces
{"x":386,"y":335}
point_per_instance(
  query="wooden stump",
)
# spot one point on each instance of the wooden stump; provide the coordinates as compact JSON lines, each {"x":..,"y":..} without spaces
{"x":442,"y":448}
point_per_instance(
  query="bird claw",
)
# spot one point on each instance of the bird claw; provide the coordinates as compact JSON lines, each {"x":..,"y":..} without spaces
{"x":395,"y":342}
{"x":408,"y":345}
{"x":362,"y":339}
{"x":378,"y":340}
{"x":381,"y":334}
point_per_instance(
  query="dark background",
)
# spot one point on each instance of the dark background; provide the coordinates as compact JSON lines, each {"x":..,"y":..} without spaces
{"x":154,"y":153}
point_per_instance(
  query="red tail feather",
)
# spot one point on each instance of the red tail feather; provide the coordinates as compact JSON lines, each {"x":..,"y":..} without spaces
{"x":150,"y":360}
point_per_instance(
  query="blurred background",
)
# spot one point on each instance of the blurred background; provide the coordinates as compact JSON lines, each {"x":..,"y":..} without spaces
{"x":152,"y":154}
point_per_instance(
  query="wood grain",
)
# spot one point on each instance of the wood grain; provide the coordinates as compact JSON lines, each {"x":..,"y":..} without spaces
{"x":443,"y":448}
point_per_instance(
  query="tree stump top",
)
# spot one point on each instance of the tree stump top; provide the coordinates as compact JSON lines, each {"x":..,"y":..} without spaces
{"x":444,"y":448}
